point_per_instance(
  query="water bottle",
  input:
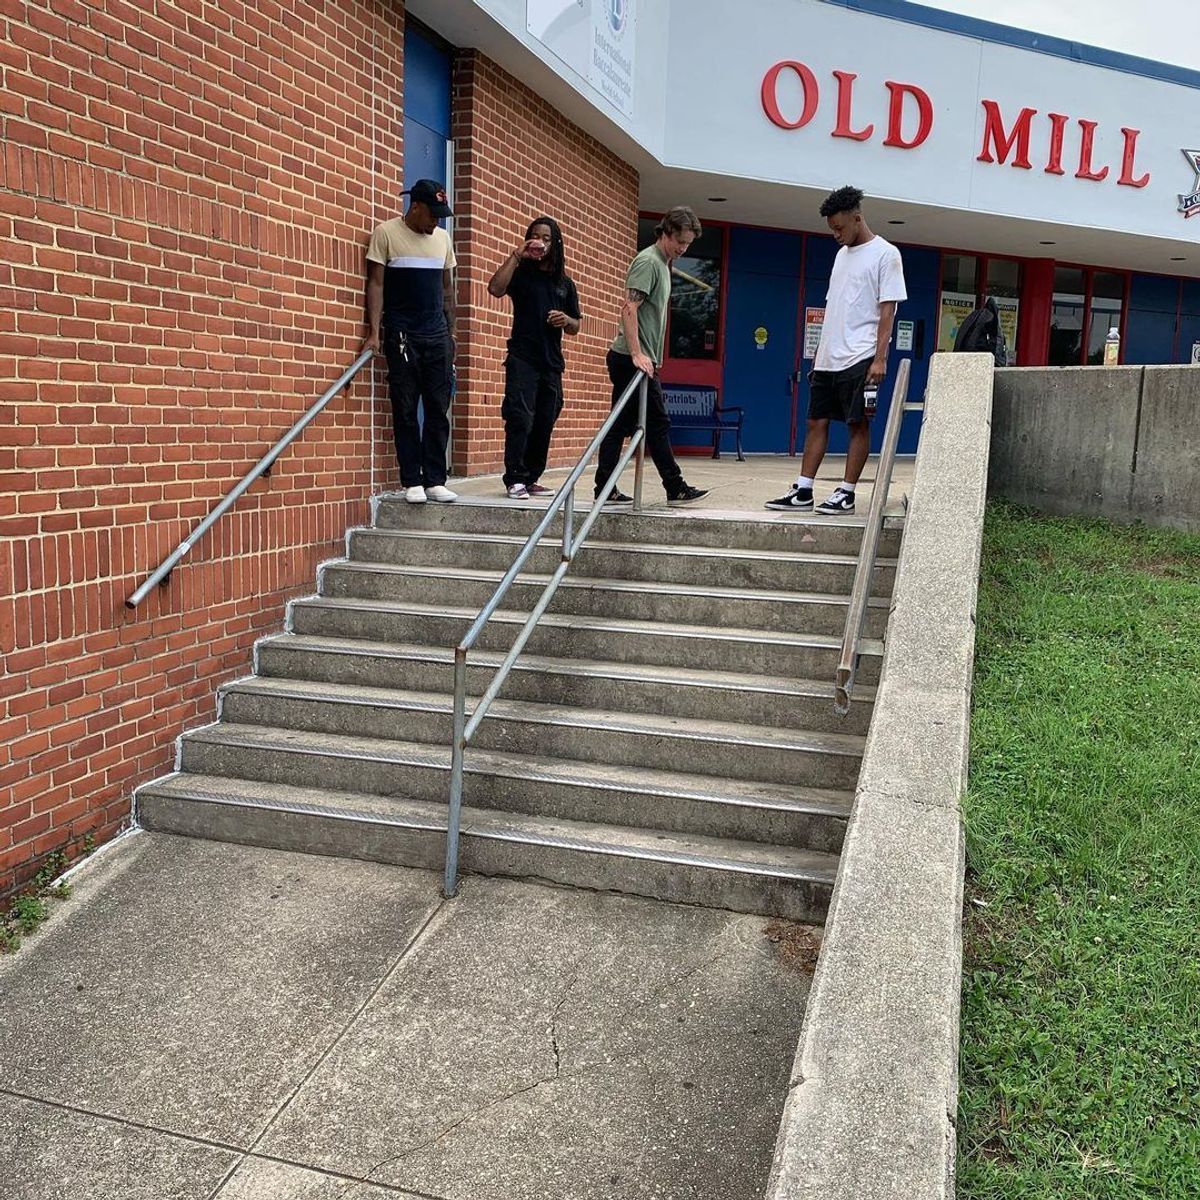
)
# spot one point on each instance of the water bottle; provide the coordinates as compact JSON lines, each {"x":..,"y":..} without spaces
{"x":1112,"y":347}
{"x":870,"y":398}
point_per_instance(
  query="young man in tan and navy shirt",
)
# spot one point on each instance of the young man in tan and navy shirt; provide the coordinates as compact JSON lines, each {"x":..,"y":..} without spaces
{"x":410,"y":316}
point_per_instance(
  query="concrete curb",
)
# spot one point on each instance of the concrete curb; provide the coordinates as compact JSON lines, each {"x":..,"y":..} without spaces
{"x":872,"y":1104}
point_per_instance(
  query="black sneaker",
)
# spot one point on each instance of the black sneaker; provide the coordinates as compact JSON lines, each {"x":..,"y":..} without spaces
{"x":687,"y":495}
{"x":841,"y":501}
{"x":797,"y":500}
{"x":615,"y":497}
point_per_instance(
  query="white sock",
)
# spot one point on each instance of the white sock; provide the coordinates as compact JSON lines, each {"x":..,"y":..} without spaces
{"x":804,"y":483}
{"x":846,"y":487}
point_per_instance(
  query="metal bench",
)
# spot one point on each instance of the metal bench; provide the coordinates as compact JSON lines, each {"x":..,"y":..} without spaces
{"x":699,"y":408}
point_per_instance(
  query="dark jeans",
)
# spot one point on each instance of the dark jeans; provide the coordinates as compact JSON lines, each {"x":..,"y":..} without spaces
{"x":419,"y":372}
{"x":532,"y":401}
{"x":658,"y":427}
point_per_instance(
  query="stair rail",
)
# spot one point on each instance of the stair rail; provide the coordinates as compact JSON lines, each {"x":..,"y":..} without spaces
{"x":861,"y":589}
{"x":564,"y":500}
{"x":262,"y":468}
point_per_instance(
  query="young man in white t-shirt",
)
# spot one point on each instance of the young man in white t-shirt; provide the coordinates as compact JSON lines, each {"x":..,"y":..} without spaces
{"x":866,"y":285}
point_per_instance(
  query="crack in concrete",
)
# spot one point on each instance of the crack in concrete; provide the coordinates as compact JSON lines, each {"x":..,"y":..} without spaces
{"x":409,"y":1151}
{"x":554,"y":1023}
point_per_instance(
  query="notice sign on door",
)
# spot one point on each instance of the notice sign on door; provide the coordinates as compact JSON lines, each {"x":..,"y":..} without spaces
{"x":904,"y":334}
{"x":814,"y":322}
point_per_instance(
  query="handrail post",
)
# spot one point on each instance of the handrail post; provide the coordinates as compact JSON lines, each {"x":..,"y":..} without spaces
{"x":640,"y":460}
{"x":458,"y":750}
{"x":568,"y":525}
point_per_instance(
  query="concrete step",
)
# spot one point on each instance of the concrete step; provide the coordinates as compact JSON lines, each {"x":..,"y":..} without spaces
{"x":679,"y":691}
{"x":677,"y":603}
{"x":691,"y":527}
{"x":742,"y":876}
{"x":718,"y":748}
{"x":754,"y":570}
{"x":747,"y":651}
{"x":778,"y":814}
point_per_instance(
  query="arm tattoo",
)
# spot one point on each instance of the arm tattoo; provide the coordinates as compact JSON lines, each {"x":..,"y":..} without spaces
{"x":635,"y":296}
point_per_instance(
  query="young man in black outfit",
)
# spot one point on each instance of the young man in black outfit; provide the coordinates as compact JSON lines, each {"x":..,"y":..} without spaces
{"x":410,"y":314}
{"x":545,"y":305}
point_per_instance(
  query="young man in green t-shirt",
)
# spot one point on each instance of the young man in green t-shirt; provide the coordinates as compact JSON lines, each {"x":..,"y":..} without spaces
{"x":638,"y":346}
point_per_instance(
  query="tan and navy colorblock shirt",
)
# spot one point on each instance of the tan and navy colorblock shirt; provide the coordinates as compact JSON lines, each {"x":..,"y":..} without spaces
{"x":412,"y":277}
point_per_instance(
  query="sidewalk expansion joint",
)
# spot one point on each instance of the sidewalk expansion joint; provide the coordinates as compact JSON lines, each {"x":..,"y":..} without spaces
{"x":409,"y":946}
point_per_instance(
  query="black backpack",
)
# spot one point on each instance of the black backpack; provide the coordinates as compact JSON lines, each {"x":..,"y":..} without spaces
{"x":981,"y":333}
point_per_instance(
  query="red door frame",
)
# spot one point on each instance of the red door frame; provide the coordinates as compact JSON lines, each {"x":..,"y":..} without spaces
{"x":700,"y":372}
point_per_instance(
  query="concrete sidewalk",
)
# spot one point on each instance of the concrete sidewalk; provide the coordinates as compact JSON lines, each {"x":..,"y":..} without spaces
{"x":202,"y":1020}
{"x":734,"y":488}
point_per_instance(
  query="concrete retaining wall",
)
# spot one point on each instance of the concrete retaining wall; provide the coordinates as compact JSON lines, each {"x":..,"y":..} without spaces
{"x":871,"y":1109}
{"x":1120,"y":443}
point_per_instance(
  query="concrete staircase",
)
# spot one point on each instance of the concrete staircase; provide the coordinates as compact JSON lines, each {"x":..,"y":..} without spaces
{"x":669,"y":731}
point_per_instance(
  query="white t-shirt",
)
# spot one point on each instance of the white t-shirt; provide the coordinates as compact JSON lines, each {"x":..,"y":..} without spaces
{"x":864,"y":277}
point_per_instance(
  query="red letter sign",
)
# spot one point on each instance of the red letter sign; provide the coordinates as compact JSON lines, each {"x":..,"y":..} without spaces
{"x":845,"y":99}
{"x":993,"y":132}
{"x":1085,"y":153}
{"x":770,"y":101}
{"x":1131,"y":137}
{"x":1058,"y":123}
{"x":896,"y":111}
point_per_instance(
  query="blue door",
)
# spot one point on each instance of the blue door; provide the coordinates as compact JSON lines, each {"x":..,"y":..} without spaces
{"x":760,"y":334}
{"x":426,"y":109}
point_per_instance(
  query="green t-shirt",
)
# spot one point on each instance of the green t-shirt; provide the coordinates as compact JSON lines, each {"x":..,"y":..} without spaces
{"x":649,"y":274}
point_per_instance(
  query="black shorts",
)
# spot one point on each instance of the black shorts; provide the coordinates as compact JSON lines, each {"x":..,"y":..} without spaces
{"x":838,"y":395}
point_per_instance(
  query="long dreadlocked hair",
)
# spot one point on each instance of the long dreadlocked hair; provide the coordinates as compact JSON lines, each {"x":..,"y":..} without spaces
{"x":555,"y":256}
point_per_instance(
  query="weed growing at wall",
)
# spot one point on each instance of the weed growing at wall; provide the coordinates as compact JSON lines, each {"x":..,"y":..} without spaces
{"x":32,"y":906}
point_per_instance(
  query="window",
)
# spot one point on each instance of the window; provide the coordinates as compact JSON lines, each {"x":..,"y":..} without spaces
{"x":695,"y":318}
{"x":1087,"y":304}
{"x":1108,"y":296}
{"x":1066,"y":317}
{"x":1004,"y":286}
{"x":959,"y":272}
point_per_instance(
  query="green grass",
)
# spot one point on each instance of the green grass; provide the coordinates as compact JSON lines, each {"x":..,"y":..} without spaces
{"x":1080,"y":1063}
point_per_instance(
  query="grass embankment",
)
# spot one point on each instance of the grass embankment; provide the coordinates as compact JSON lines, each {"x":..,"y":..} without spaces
{"x":1081,"y":989}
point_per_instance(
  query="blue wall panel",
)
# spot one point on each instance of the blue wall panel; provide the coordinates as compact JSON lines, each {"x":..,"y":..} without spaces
{"x":426,"y":82}
{"x":426,"y":109}
{"x":1150,"y":325}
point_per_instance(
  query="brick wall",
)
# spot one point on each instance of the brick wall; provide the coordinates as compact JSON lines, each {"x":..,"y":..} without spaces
{"x":185,"y":192}
{"x":517,"y":158}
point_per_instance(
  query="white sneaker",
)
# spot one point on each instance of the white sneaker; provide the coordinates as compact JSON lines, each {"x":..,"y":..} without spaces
{"x":415,"y":495}
{"x":440,"y":494}
{"x":518,"y":491}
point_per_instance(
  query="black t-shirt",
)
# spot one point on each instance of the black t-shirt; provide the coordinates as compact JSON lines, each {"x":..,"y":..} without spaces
{"x":534,"y":294}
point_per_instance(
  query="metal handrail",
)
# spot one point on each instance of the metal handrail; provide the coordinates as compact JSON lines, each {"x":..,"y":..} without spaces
{"x":859,"y":592}
{"x":262,"y":467}
{"x":564,"y":499}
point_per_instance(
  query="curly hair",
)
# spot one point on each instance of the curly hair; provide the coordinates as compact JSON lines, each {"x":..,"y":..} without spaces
{"x":844,"y":200}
